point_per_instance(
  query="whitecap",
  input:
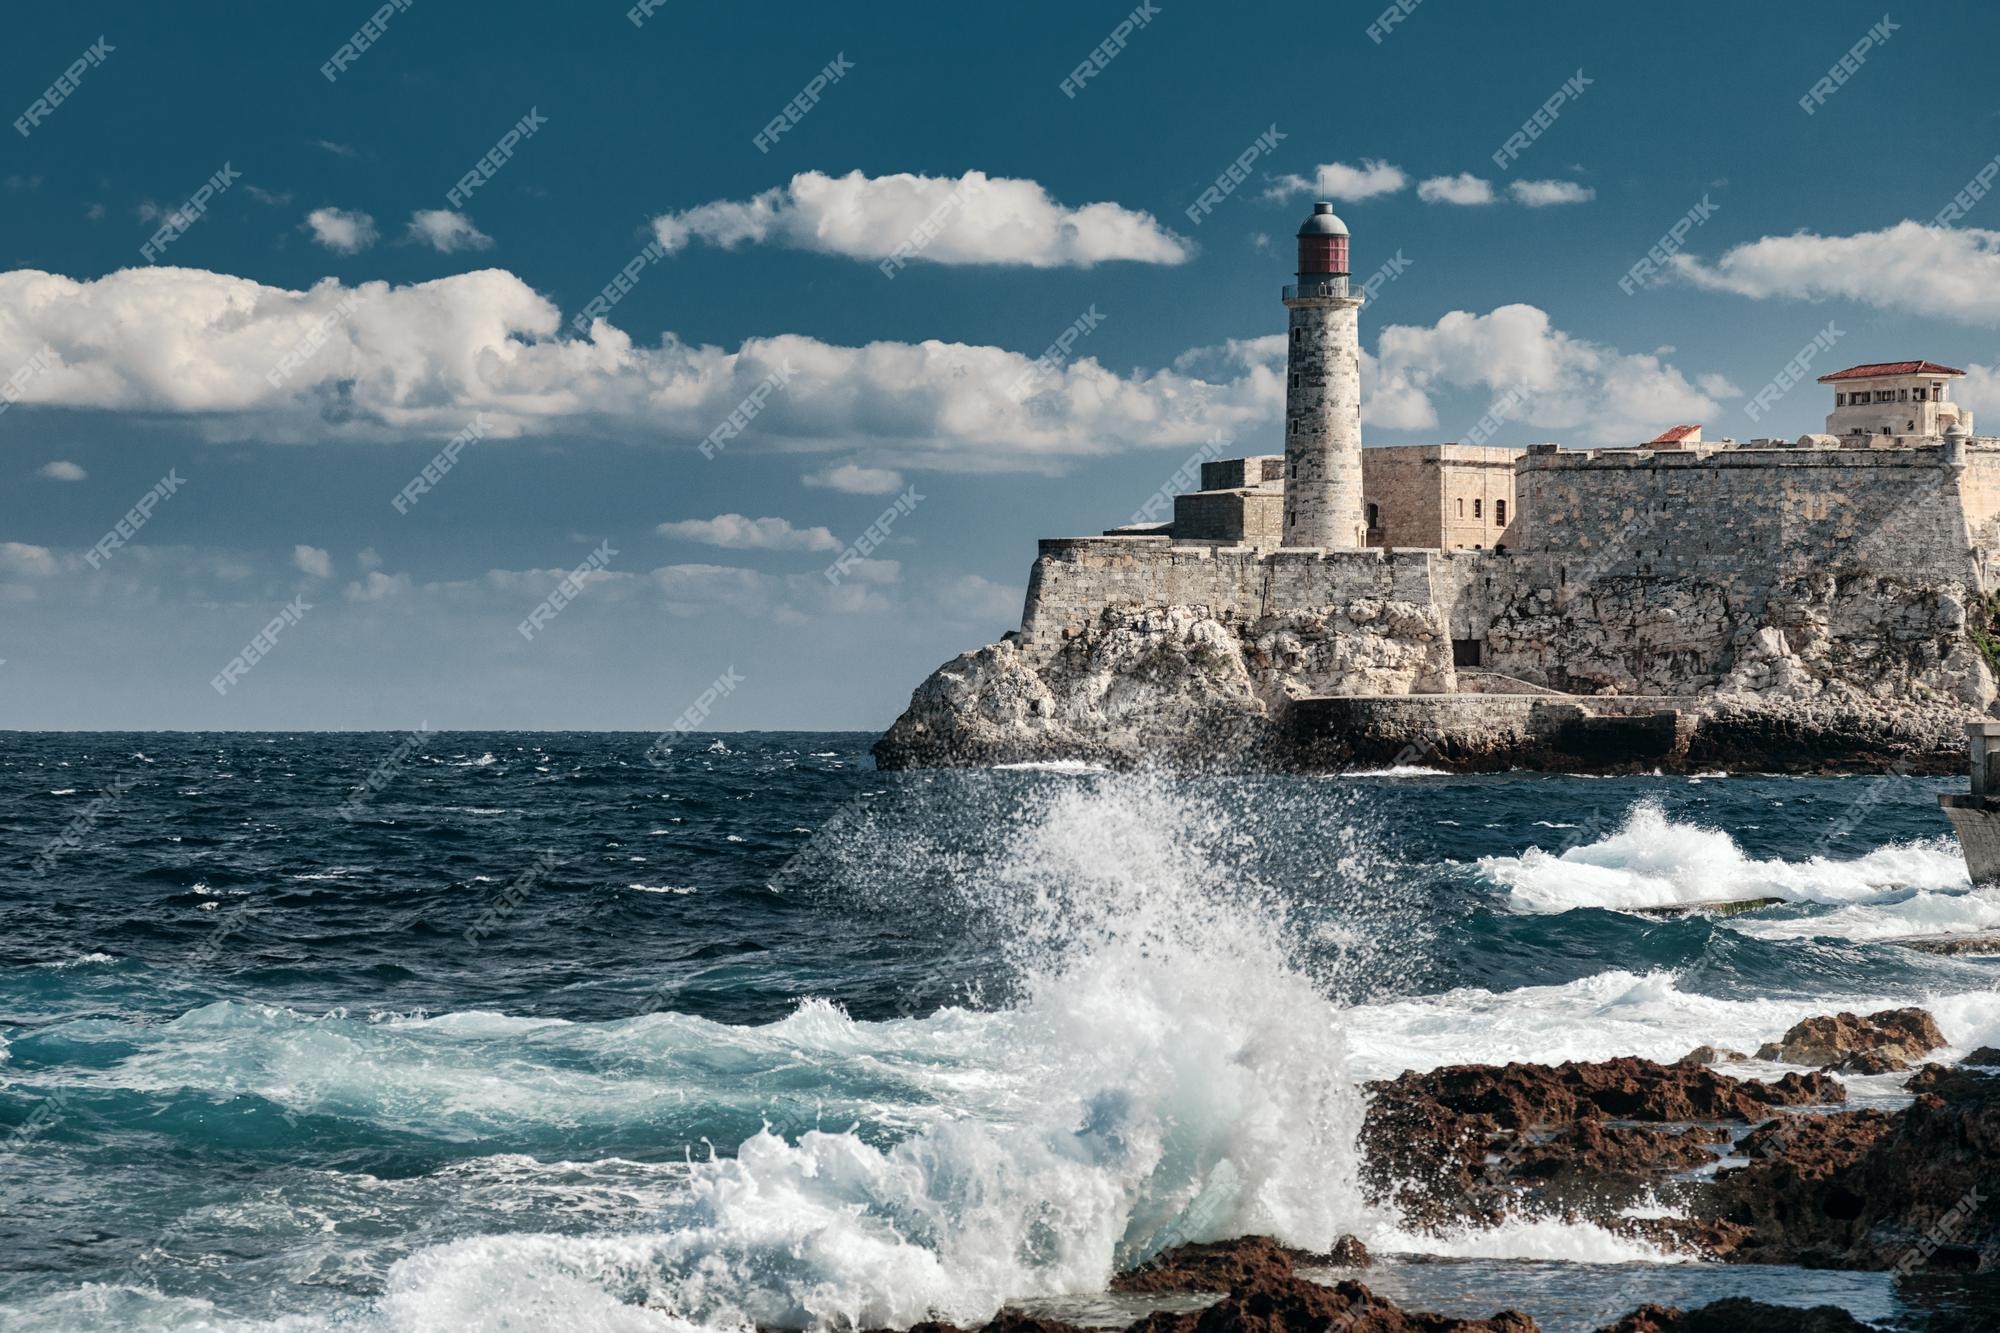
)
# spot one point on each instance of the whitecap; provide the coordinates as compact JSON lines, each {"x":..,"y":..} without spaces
{"x":1652,"y":860}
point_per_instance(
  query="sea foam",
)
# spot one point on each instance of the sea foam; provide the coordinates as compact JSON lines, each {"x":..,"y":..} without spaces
{"x":1654,"y":861}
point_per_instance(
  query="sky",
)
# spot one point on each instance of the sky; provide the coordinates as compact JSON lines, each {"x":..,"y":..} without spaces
{"x":680,"y":304}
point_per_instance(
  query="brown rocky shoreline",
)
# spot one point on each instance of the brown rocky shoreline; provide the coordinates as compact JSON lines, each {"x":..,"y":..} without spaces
{"x":1753,"y":1171}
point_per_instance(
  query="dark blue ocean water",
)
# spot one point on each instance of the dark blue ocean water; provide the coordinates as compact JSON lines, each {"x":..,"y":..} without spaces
{"x":536,"y":1034}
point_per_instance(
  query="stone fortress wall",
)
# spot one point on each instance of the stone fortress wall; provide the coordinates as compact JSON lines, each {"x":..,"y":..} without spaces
{"x":1628,"y":570}
{"x":1828,"y":602}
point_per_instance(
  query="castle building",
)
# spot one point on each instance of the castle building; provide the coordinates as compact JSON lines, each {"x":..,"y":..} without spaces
{"x":1676,"y":601}
{"x":1895,"y":404}
{"x":1323,"y":483}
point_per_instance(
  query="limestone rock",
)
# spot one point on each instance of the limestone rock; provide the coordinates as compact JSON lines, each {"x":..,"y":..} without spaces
{"x":1889,"y":1040}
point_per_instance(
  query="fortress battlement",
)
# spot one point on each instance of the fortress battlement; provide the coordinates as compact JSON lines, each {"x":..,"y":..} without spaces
{"x":1722,"y":600}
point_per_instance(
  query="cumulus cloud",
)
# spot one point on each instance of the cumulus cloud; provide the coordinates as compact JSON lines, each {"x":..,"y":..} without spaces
{"x":21,"y":558}
{"x":737,"y":533}
{"x":854,"y":479}
{"x":340,"y":230}
{"x":978,"y":219}
{"x":1572,"y":387}
{"x":1953,"y":272}
{"x":447,"y":231}
{"x":1464,"y":188}
{"x":382,"y":362}
{"x":1541,"y":194}
{"x":312,"y":560}
{"x":61,"y":470}
{"x":395,"y":362}
{"x":1337,"y":180}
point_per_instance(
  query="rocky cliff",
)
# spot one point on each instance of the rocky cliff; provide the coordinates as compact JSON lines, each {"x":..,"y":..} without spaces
{"x":1845,"y":674}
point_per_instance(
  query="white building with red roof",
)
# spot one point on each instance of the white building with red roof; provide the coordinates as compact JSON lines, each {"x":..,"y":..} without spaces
{"x":1894,"y":403}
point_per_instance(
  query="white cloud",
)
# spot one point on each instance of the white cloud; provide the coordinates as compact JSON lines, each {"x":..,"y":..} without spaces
{"x":1571,"y":387}
{"x":447,"y":231}
{"x":1540,"y":194}
{"x":61,"y":470}
{"x":21,"y":558}
{"x":1464,"y":188}
{"x":1717,"y":386}
{"x":314,"y":561}
{"x":1337,"y":180}
{"x":736,"y":533}
{"x":340,"y":230}
{"x":420,"y":360}
{"x":978,"y":220}
{"x":377,"y":587}
{"x":854,"y":479}
{"x":1934,"y":271}
{"x":337,"y":149}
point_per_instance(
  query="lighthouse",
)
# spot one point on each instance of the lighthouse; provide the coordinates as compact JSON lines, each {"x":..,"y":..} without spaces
{"x":1323,"y":394}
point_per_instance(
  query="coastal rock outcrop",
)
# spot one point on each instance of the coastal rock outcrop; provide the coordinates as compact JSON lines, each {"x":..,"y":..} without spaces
{"x":1863,"y":1189}
{"x":1738,"y":1315}
{"x":1293,"y":1305}
{"x":1473,"y":1142}
{"x":1892,"y":1039}
{"x":1199,"y":686}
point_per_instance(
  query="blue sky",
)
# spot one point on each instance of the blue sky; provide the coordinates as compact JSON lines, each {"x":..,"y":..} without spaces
{"x":433,"y":313}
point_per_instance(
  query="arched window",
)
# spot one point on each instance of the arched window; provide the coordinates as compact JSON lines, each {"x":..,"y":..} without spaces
{"x":1374,"y":516}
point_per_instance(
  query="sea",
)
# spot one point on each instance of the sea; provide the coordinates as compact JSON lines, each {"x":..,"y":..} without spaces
{"x":523,"y":1031}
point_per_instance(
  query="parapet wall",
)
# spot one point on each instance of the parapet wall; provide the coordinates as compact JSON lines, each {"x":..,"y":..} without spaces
{"x":1075,"y":578}
{"x":1742,"y":514}
{"x":1636,"y":572}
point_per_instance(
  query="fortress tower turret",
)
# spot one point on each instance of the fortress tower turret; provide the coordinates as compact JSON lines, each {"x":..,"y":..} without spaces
{"x":1323,"y":394}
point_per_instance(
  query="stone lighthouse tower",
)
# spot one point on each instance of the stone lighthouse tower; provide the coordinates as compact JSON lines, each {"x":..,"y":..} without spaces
{"x":1323,"y":394}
